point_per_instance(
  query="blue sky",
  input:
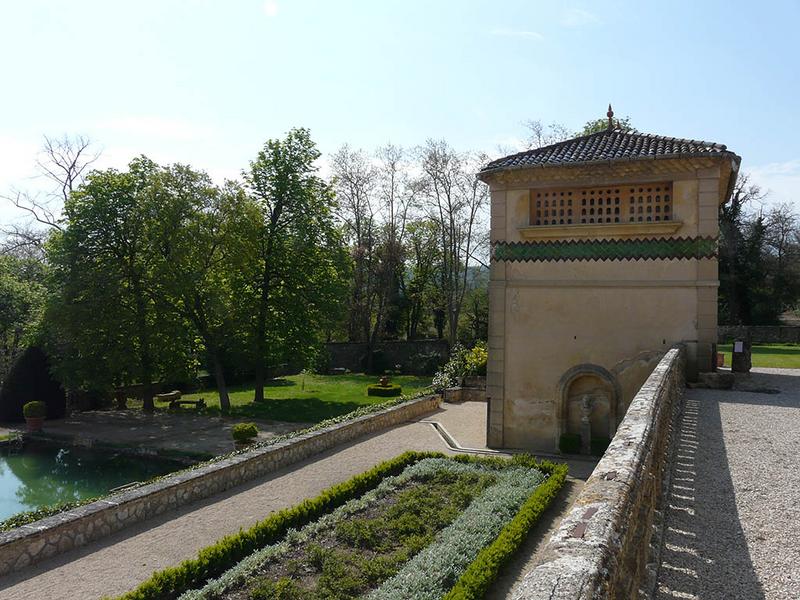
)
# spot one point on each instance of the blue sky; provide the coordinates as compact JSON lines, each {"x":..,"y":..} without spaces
{"x":207,"y":81}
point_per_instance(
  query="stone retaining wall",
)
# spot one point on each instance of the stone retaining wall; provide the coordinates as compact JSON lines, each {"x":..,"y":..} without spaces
{"x":602,"y":548}
{"x":60,"y":533}
{"x":759,"y":334}
{"x":414,"y":356}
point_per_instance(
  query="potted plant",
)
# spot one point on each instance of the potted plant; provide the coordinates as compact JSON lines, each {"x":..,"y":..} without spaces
{"x":34,"y":413}
{"x":244,"y":434}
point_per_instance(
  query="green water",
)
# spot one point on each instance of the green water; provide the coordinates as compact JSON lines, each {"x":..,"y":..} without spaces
{"x":44,"y":475}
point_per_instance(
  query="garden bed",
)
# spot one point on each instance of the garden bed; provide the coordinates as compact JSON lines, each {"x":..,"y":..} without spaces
{"x":419,"y":526}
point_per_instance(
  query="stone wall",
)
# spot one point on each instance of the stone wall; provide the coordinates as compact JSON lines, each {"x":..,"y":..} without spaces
{"x":601,"y":550}
{"x":766,"y":334}
{"x":33,"y":543}
{"x":410,"y":355}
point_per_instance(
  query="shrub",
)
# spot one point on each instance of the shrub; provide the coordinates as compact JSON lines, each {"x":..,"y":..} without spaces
{"x":244,"y":432}
{"x":34,"y":409}
{"x":570,"y":443}
{"x":29,"y":379}
{"x":213,"y":560}
{"x":384,"y":391}
{"x":475,"y":581}
{"x":462,"y":363}
{"x":454,"y":368}
{"x":598,"y":445}
{"x":432,"y":572}
{"x":475,"y":360}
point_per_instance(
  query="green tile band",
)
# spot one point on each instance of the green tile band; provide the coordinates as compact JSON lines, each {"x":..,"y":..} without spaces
{"x":635,"y":249}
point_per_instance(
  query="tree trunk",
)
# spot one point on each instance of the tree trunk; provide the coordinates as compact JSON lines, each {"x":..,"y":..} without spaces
{"x":222,"y":387}
{"x":145,"y":358}
{"x":261,"y":340}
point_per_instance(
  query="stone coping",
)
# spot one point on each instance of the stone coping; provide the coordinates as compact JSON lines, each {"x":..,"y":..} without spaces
{"x":32,"y":543}
{"x":601,"y":547}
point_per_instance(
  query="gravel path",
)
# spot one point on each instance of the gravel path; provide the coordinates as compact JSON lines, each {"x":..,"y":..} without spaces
{"x":732,"y":528}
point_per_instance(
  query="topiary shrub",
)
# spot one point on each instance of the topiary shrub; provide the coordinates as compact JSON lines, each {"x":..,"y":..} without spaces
{"x":34,"y":409}
{"x":384,"y":391}
{"x":244,"y":432}
{"x":570,"y":443}
{"x":29,"y":379}
{"x":598,"y":445}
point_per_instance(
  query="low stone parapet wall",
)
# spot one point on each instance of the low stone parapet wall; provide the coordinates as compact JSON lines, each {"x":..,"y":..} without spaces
{"x":464,"y":394}
{"x":603,"y":546}
{"x":30,"y":544}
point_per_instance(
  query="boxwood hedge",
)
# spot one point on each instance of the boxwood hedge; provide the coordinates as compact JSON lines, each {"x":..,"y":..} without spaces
{"x":214,"y":560}
{"x":481,"y":573}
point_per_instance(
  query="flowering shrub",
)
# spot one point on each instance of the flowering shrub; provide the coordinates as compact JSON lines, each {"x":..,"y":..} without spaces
{"x":462,"y":363}
{"x":475,"y":359}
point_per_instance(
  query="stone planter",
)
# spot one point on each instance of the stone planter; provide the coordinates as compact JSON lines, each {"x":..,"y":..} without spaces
{"x":474,"y":381}
{"x":34,"y":424}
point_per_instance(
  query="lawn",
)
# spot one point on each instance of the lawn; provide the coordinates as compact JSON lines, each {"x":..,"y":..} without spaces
{"x":784,"y":356}
{"x":307,"y":398}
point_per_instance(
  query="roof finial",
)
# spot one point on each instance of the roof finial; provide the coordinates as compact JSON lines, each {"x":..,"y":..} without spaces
{"x":610,"y":115}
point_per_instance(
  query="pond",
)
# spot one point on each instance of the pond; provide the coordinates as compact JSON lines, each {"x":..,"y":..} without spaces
{"x":43,"y":475}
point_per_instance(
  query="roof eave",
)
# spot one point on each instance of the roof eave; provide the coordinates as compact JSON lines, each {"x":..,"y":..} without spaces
{"x":610,"y":161}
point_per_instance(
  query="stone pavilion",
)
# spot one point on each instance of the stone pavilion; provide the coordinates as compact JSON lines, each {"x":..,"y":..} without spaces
{"x":604,"y":254}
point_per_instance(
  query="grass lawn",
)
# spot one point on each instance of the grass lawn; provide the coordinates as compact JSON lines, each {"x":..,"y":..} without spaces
{"x":783,"y":356}
{"x":307,"y":398}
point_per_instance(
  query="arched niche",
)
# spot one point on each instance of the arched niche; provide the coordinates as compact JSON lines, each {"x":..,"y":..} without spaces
{"x":591,"y":385}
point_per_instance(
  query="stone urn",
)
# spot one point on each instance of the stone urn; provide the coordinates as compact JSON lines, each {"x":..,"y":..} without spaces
{"x":384,"y":381}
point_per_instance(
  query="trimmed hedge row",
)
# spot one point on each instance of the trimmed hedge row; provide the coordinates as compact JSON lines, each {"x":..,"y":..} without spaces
{"x":214,"y":560}
{"x":475,"y":581}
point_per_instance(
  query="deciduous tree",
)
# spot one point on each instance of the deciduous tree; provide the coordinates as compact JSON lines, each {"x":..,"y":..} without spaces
{"x":299,"y":271}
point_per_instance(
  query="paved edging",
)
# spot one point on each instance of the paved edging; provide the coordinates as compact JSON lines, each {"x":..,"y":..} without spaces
{"x":600,"y":550}
{"x":60,"y":533}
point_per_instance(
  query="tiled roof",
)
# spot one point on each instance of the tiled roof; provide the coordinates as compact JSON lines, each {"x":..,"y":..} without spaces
{"x":607,"y":145}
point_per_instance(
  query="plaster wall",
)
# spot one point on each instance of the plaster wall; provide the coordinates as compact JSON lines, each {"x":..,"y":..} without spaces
{"x":549,"y":316}
{"x":554,"y":329}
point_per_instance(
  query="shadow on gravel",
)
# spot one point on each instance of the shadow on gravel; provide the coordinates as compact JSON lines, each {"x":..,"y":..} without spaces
{"x":704,"y":554}
{"x":767,"y":389}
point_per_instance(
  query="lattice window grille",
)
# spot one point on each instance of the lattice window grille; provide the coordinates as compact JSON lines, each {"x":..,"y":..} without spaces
{"x":641,"y":203}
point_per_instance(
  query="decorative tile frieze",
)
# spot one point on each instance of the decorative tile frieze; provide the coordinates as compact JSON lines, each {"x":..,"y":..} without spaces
{"x":681,"y":248}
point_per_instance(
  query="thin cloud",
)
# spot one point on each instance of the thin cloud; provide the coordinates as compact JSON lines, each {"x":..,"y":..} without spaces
{"x":270,"y":8}
{"x":781,"y":180}
{"x":520,"y":33}
{"x":578,"y":17}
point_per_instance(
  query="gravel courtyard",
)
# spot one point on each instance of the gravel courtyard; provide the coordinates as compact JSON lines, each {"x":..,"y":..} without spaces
{"x":732,"y":527}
